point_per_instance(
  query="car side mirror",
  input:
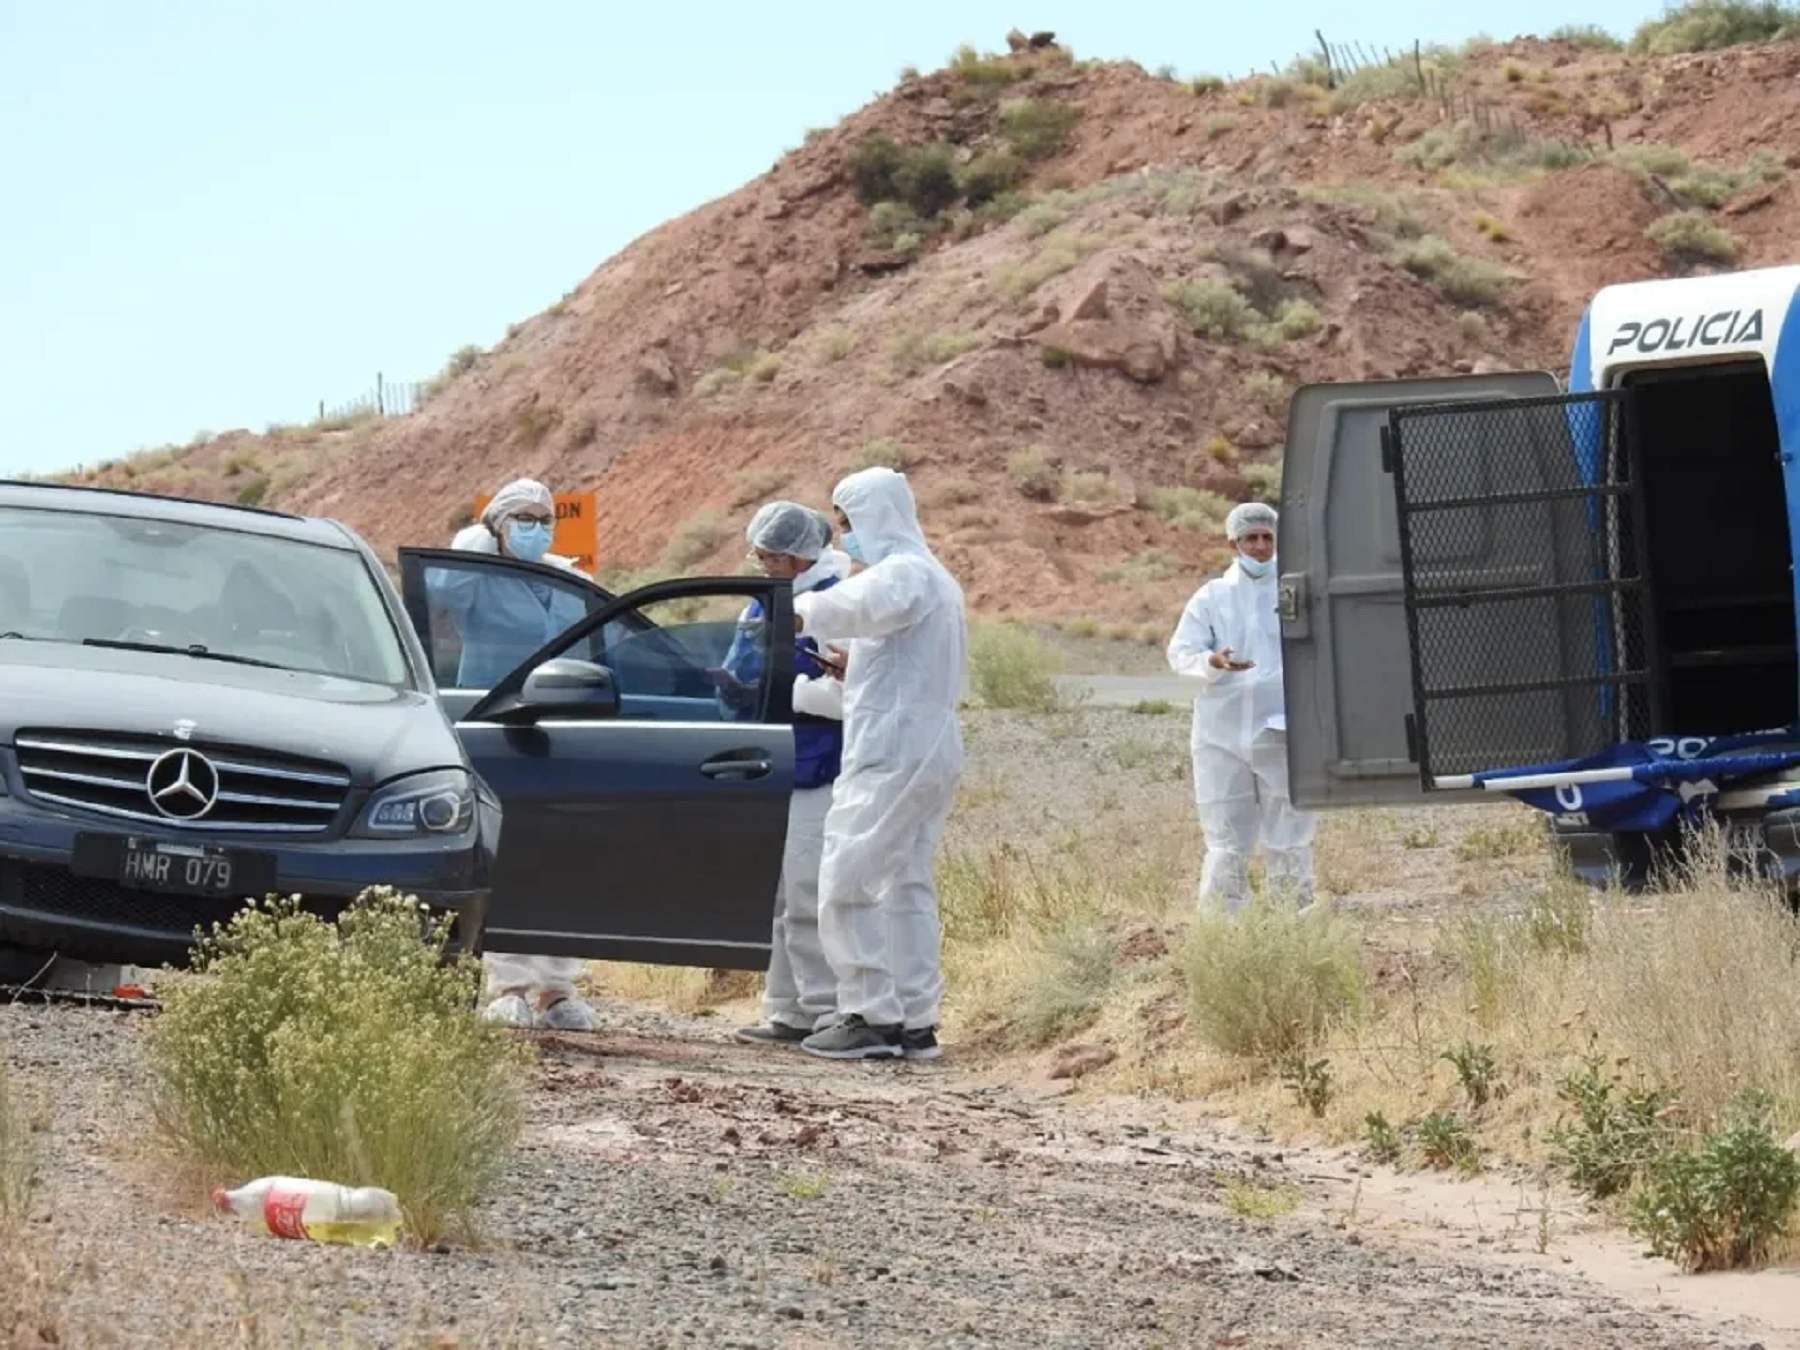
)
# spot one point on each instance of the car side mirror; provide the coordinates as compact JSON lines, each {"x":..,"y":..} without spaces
{"x":569,"y":688}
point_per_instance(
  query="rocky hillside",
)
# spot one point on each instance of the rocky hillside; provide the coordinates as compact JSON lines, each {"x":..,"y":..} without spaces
{"x":1072,"y":299}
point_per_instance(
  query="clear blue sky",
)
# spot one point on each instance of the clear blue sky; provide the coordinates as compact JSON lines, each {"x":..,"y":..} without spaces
{"x":217,"y":213}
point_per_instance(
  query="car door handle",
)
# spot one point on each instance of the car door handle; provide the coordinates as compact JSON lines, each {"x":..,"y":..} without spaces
{"x":737,"y":768}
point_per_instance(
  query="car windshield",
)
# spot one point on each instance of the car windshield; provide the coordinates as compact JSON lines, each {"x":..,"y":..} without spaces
{"x":211,"y":594}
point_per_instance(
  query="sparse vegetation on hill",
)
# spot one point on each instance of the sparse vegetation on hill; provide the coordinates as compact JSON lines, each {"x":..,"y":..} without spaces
{"x":980,"y":268}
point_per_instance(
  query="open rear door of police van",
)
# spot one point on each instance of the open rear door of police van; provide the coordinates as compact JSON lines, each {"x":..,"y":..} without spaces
{"x":1461,"y":584}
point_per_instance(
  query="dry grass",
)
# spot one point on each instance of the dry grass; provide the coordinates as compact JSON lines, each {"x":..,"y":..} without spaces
{"x":680,"y":989}
{"x":29,"y":1316}
{"x":913,"y":353}
{"x":1056,"y":257}
{"x":18,"y":1162}
{"x":695,"y":540}
{"x":1263,"y":1203}
{"x":30,"y":1313}
{"x":882,"y":453}
{"x":1037,"y":945}
{"x":758,"y":485}
{"x":1690,"y":990}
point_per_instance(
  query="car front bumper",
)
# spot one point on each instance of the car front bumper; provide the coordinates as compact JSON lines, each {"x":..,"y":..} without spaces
{"x":45,"y":903}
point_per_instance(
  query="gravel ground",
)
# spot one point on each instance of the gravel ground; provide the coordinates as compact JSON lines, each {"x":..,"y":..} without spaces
{"x":677,"y":1189}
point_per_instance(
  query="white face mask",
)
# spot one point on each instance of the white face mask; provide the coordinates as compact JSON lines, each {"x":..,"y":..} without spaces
{"x":1252,"y":568}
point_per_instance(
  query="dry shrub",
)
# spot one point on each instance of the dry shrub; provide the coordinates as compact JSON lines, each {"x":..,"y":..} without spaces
{"x":1712,"y":25}
{"x":348,"y":1052}
{"x":1214,"y":308}
{"x":1469,"y":282}
{"x":1264,"y":482}
{"x":1035,"y":475}
{"x":1271,"y":979}
{"x":1037,"y":129}
{"x":1191,"y":508}
{"x":1090,"y":488}
{"x":1010,"y":668}
{"x":957,"y":492}
{"x":1297,"y":319}
{"x":1687,"y":237}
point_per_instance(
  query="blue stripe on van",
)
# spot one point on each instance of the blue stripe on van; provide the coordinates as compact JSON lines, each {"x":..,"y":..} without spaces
{"x":1784,"y":389}
{"x":1585,"y":433}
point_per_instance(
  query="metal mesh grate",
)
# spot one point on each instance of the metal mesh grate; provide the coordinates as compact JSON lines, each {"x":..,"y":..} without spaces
{"x":1521,"y":547}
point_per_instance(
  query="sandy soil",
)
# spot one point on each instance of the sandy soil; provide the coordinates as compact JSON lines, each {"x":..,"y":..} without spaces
{"x":678,"y":1189}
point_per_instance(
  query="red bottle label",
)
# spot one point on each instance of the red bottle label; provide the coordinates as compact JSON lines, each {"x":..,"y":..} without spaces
{"x":283,"y":1211}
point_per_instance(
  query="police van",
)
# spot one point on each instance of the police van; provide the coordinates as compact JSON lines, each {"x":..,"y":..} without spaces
{"x":1582,"y":595}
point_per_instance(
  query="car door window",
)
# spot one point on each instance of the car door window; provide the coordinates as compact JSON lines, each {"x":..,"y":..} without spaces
{"x":689,"y":659}
{"x":480,"y":616}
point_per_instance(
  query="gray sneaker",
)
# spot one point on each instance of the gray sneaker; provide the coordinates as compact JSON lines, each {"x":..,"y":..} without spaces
{"x":771,"y":1033}
{"x":854,"y":1038}
{"x":920,"y":1043}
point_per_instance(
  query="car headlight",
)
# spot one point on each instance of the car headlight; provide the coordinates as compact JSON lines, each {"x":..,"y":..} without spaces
{"x":439,"y":802}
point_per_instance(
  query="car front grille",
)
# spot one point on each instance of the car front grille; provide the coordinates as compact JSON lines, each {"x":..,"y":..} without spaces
{"x":179,"y":785}
{"x":56,"y":890}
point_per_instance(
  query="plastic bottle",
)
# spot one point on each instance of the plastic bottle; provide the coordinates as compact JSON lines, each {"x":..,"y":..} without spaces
{"x":295,"y":1207}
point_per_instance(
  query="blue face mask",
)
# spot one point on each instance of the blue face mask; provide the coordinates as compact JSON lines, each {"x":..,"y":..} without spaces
{"x":528,"y":542}
{"x":1254,"y":569}
{"x":853,"y":546}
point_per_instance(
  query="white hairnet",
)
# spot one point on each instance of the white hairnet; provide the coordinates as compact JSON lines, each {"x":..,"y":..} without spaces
{"x":1249,"y":516}
{"x":519,"y":493}
{"x":788,"y":528}
{"x":828,"y":525}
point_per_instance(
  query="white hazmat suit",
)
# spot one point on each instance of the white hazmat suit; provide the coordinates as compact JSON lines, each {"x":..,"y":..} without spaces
{"x":903,"y":615}
{"x":524,"y":990}
{"x":1240,"y":729}
{"x":800,"y":992}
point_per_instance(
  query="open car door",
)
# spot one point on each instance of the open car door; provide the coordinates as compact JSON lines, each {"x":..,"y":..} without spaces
{"x":643,"y":757}
{"x":1462,"y":584}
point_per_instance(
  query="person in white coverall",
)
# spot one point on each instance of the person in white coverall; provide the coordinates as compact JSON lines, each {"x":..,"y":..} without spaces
{"x":788,"y":541}
{"x":503,"y":620}
{"x":1229,"y":639}
{"x":902,"y":616}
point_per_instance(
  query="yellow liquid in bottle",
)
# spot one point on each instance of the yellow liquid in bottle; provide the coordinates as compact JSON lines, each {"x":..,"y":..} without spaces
{"x":356,"y":1232}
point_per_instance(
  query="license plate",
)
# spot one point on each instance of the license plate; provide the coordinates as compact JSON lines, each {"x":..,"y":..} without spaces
{"x":186,"y":869}
{"x":172,"y":866}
